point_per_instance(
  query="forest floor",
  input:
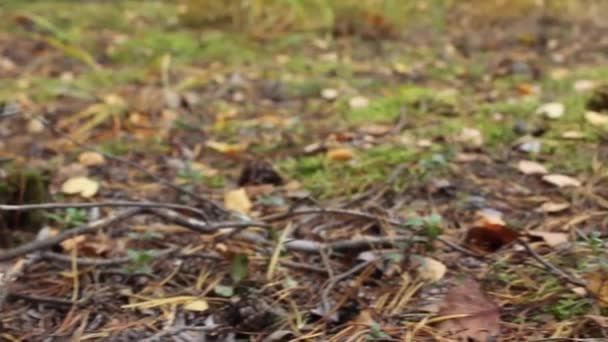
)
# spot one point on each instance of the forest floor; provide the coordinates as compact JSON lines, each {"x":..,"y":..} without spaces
{"x":302,"y":186}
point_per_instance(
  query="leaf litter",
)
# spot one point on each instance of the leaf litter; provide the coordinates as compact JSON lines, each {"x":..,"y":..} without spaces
{"x":289,"y":156}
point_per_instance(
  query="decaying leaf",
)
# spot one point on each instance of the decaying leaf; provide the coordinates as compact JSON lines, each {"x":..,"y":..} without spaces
{"x":430,"y":269}
{"x":489,"y":232}
{"x":597,"y":283}
{"x":529,"y":167}
{"x":561,"y":181}
{"x":551,"y":110}
{"x":340,"y":154}
{"x":238,"y":200}
{"x":91,"y":158}
{"x":551,"y":238}
{"x":553,"y":207}
{"x":483,"y":316}
{"x":82,"y":186}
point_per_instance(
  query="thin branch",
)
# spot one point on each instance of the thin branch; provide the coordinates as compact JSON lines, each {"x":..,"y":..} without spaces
{"x":111,"y":204}
{"x":332,"y":211}
{"x":334,"y":280}
{"x":550,"y":267}
{"x":201,"y":226}
{"x":70,"y":233}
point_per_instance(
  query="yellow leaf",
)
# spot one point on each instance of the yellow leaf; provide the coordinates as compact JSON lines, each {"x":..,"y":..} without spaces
{"x":227,"y":148}
{"x":596,"y":119}
{"x":238,"y":200}
{"x":340,"y":154}
{"x":82,"y":186}
{"x":91,"y":158}
{"x":70,"y":244}
{"x":197,"y":305}
{"x":160,"y":301}
{"x":431,"y":269}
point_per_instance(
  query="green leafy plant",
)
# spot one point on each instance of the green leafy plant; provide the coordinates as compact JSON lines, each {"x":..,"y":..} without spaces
{"x":140,"y":261}
{"x":69,"y":218}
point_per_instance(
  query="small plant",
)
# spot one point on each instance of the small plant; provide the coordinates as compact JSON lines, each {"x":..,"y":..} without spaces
{"x":70,"y":218}
{"x":569,"y":306}
{"x":140,"y":261}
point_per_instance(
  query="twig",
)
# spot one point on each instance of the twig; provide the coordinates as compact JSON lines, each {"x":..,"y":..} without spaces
{"x":550,"y":267}
{"x":101,"y":262}
{"x":43,"y":299}
{"x":111,"y":204}
{"x":332,"y":211}
{"x":211,"y":204}
{"x":52,"y":241}
{"x":201,"y":226}
{"x":334,"y":280}
{"x":176,"y":330}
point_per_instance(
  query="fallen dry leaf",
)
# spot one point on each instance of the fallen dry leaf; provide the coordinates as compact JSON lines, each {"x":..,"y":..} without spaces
{"x":470,"y":136}
{"x":329,"y":93}
{"x":91,"y":158}
{"x":358,"y":102}
{"x":82,"y":186}
{"x":552,"y":110}
{"x":238,"y":200}
{"x":529,"y":167}
{"x":596,"y":119}
{"x":597,"y":283}
{"x":430,"y":269}
{"x":483,"y":316}
{"x":552,"y":239}
{"x":584,"y":85}
{"x":561,"y":181}
{"x":553,"y":207}
{"x":198,"y":305}
{"x":574,"y":135}
{"x":227,"y":148}
{"x":340,"y":154}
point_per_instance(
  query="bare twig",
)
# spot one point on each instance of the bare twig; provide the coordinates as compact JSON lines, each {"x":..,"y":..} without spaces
{"x":112,"y":204}
{"x":201,"y":226}
{"x":334,"y":280}
{"x":550,"y":267}
{"x":52,"y":241}
{"x":331,"y":211}
{"x":177,"y":330}
{"x":101,"y":262}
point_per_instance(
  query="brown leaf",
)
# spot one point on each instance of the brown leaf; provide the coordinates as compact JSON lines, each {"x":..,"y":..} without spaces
{"x":489,"y":232}
{"x":529,"y":167}
{"x":552,"y":239}
{"x":483,"y":320}
{"x":340,"y":154}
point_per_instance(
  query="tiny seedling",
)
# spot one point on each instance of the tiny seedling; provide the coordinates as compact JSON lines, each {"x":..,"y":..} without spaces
{"x":70,"y":218}
{"x":140,"y":261}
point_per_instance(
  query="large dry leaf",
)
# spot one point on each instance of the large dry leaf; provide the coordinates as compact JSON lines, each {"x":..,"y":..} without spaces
{"x":529,"y":167}
{"x":551,"y":238}
{"x":562,"y":181}
{"x":238,"y":200}
{"x":483,"y":315}
{"x":82,"y":186}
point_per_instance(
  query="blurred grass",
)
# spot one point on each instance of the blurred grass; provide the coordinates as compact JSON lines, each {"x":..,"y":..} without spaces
{"x":372,"y":17}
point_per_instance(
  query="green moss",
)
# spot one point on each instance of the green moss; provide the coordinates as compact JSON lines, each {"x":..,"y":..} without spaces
{"x":331,"y":178}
